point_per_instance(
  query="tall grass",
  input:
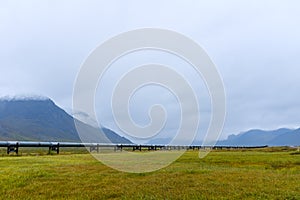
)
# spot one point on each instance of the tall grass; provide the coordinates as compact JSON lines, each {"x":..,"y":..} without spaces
{"x":263,"y":174}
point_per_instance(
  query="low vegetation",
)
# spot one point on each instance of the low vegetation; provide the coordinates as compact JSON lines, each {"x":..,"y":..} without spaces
{"x":271,"y":173}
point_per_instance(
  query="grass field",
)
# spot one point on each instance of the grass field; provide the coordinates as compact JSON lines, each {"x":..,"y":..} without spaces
{"x":254,"y":174}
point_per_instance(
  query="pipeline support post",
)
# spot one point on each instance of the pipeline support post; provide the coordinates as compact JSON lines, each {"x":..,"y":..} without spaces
{"x":54,"y":148}
{"x":13,"y":148}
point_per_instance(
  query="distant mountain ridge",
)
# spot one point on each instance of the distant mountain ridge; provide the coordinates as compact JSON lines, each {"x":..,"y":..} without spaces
{"x":39,"y":119}
{"x":256,"y":137}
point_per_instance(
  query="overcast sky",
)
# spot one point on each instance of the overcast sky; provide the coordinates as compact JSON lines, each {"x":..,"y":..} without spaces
{"x":255,"y":45}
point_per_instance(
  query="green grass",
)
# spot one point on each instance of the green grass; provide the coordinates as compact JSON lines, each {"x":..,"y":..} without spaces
{"x":254,"y":174}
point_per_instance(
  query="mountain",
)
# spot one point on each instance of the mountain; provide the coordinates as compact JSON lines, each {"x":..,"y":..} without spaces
{"x":291,"y":138}
{"x":160,"y":141}
{"x":255,"y":137}
{"x":42,"y":120}
{"x":279,"y":137}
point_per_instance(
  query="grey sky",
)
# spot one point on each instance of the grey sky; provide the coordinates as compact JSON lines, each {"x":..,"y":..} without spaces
{"x":254,"y":44}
